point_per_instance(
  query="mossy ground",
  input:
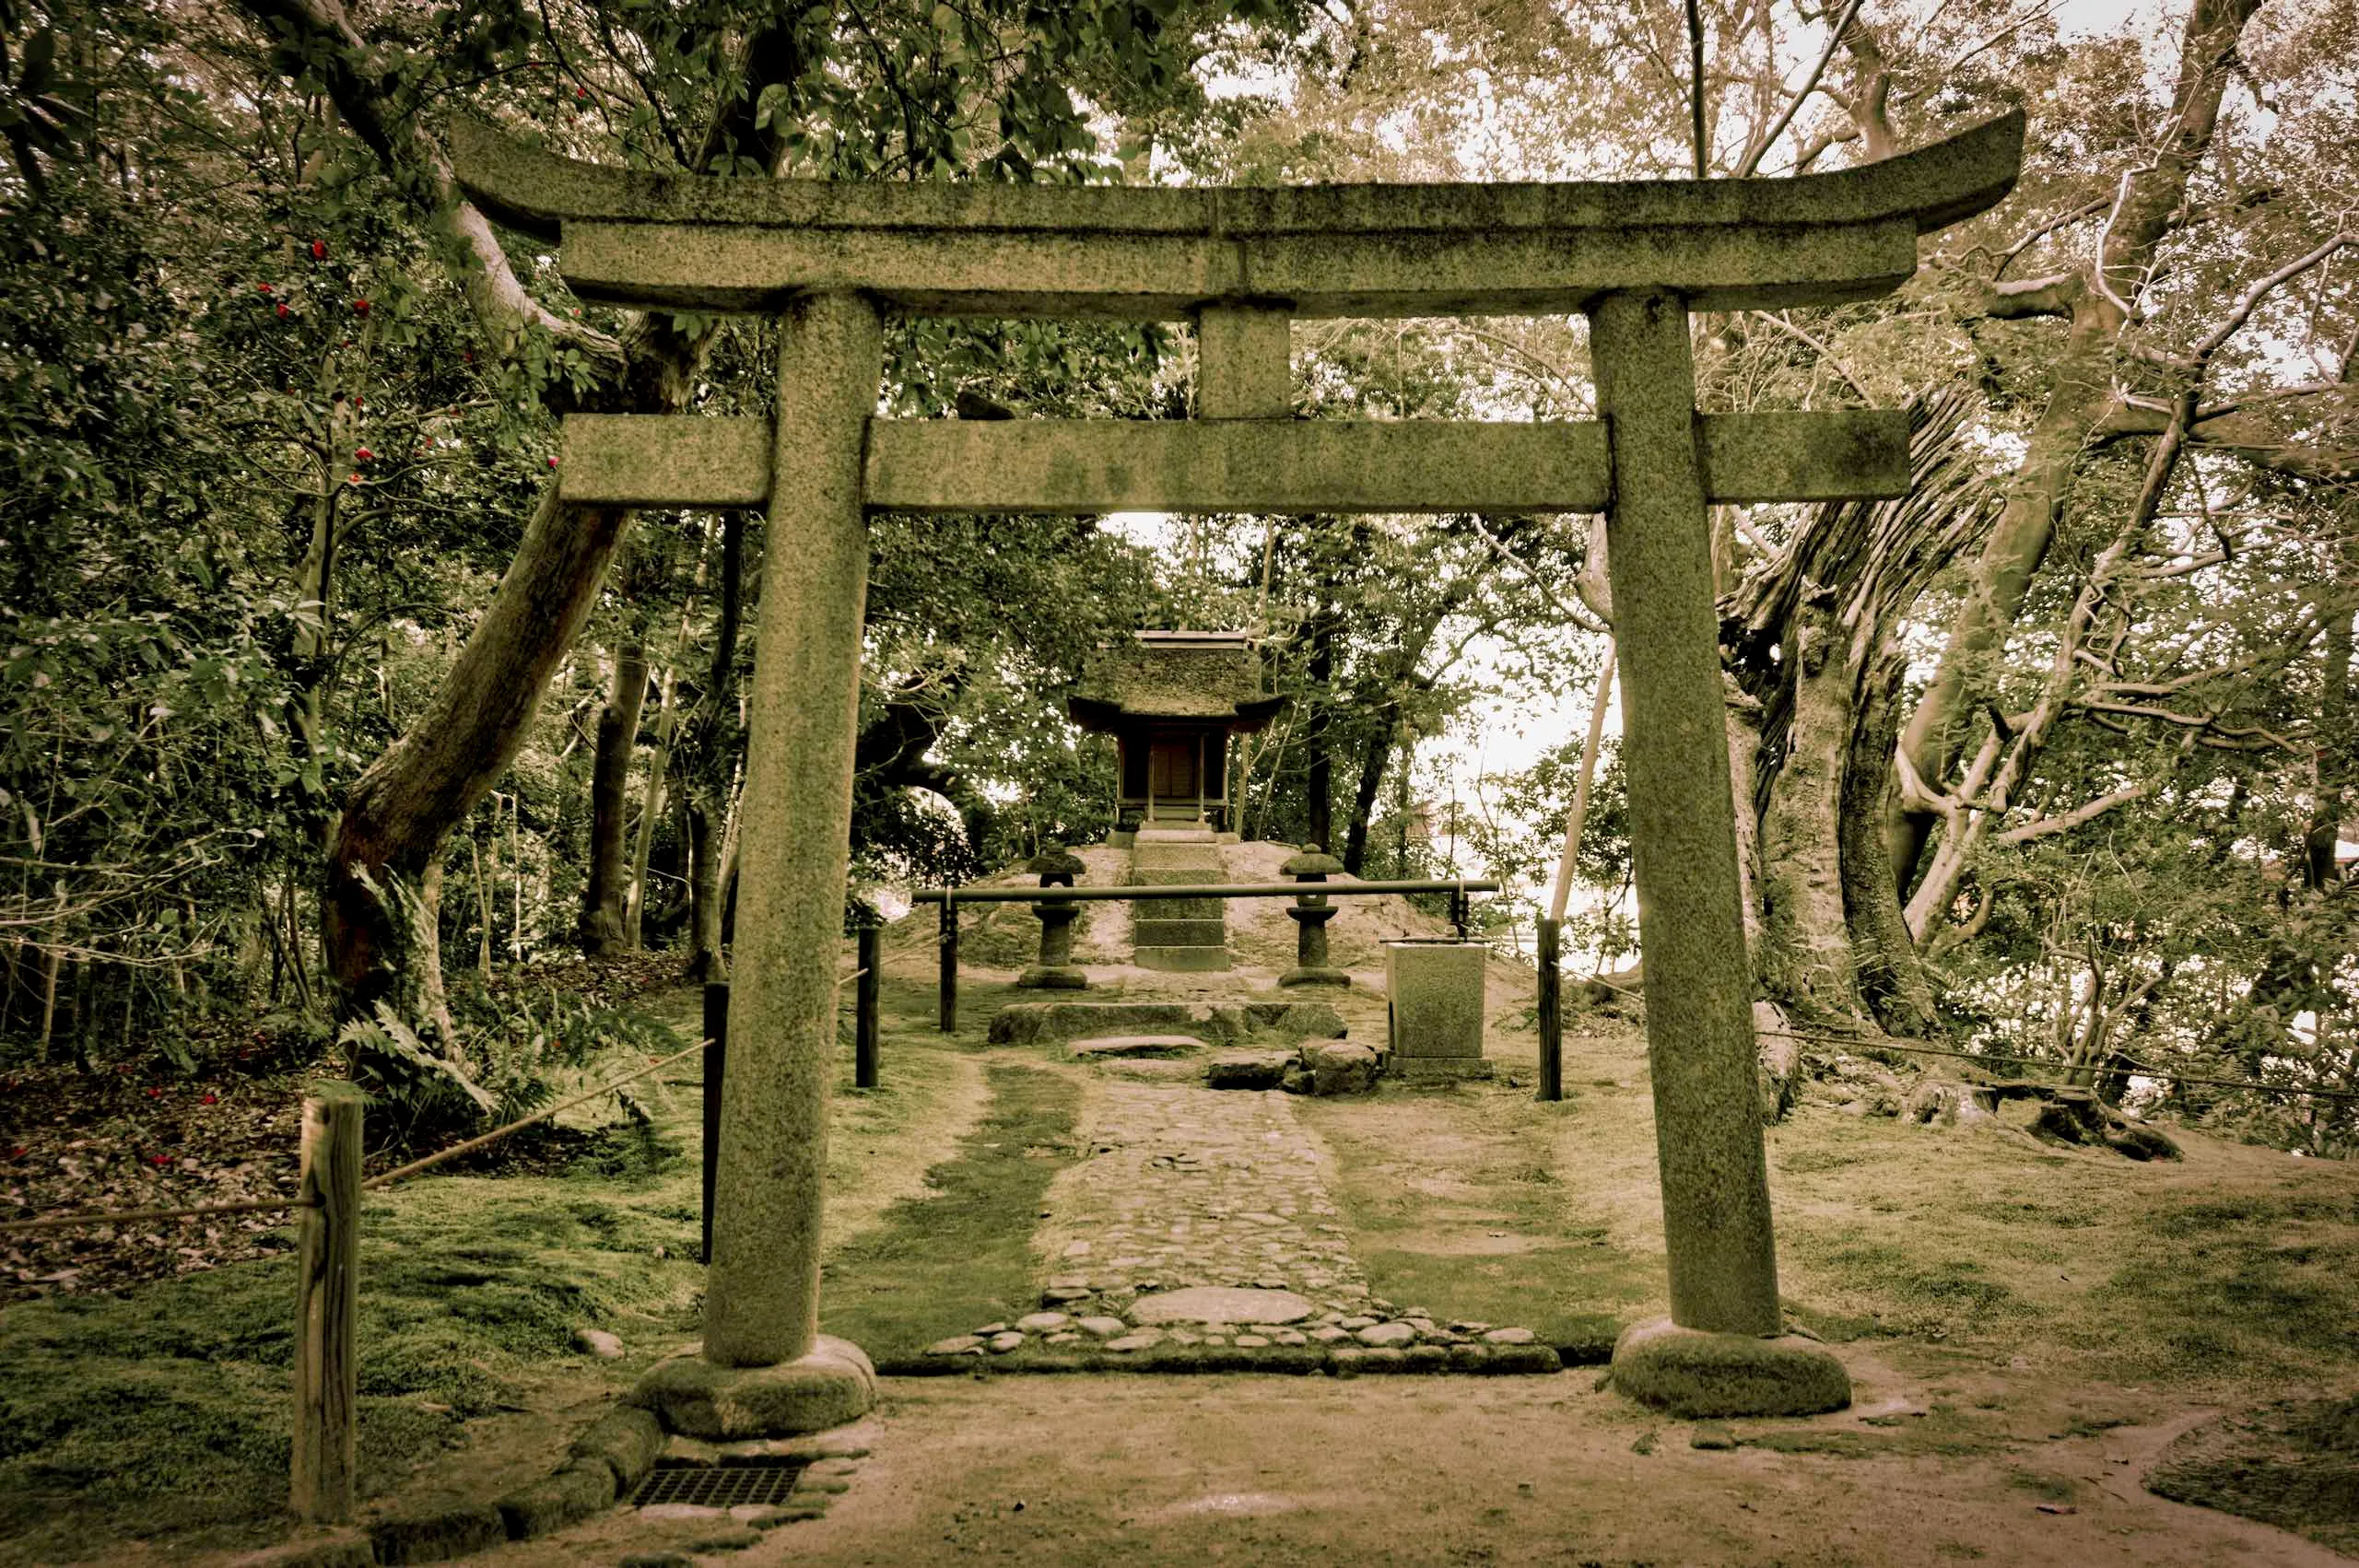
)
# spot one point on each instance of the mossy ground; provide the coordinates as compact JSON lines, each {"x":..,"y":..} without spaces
{"x":162,"y":1415}
{"x":961,"y":1253}
{"x":1996,"y":1276}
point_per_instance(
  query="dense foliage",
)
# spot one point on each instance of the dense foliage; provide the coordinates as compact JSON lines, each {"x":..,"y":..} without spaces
{"x":2054,"y":759}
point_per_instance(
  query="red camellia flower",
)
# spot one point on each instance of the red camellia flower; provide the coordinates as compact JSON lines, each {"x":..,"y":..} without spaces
{"x":159,"y":1159}
{"x":352,"y":479}
{"x":319,"y":250}
{"x":360,"y":307}
{"x":18,"y":1153}
{"x":264,"y":287}
{"x":154,"y":1093}
{"x":552,"y":462}
{"x":364,"y":455}
{"x":282,"y":310}
{"x":208,"y":1099}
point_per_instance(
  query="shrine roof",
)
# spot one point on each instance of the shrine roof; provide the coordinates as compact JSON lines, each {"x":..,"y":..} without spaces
{"x":1208,"y":676}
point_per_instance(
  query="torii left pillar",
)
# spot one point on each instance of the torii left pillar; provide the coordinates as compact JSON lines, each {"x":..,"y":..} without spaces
{"x":766,"y":1369}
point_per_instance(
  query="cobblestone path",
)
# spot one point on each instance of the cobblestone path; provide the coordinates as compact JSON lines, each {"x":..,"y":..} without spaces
{"x":1186,"y":1185}
{"x":1201,"y":1224}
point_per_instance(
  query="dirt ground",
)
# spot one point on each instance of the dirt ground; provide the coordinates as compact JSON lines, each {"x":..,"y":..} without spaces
{"x":1067,"y":1472}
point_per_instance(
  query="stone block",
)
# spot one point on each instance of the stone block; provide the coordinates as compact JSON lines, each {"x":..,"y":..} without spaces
{"x":1183,"y":909}
{"x":1218,"y":1303}
{"x":1161,"y":932}
{"x":438,"y":1535}
{"x":1438,"y":1069}
{"x":1315,"y":977}
{"x":1338,"y":1067}
{"x":1695,"y":1376}
{"x":1031,"y":1023}
{"x":1135,"y":1046}
{"x":549,"y":1504}
{"x":1248,"y":1069}
{"x":626,"y":1442}
{"x":1183,"y":960}
{"x":1436,"y":990}
{"x":833,"y":1385}
{"x":1169,"y":876}
{"x":1178,"y":857}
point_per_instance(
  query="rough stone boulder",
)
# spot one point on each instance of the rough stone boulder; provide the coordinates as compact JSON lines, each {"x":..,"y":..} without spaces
{"x":1333,"y":1067}
{"x":1248,"y":1069}
{"x":1032,"y":1022}
{"x":1106,"y":1046}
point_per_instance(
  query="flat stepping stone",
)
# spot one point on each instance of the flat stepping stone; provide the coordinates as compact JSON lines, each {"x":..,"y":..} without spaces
{"x":1113,"y":1046}
{"x":1222,"y":1304}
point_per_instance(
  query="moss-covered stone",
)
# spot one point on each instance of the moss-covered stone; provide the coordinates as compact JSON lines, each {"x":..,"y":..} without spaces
{"x":438,"y":1535}
{"x":833,"y":1385}
{"x":1694,"y":1376}
{"x":573,"y":1494}
{"x":627,"y":1442}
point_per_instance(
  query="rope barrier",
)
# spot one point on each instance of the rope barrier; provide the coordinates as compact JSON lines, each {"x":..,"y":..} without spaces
{"x":266,"y":1206}
{"x":404,"y":1172}
{"x":125,"y":1216}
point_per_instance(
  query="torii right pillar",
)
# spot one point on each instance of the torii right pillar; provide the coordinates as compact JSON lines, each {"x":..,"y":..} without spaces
{"x":1722,"y":1351}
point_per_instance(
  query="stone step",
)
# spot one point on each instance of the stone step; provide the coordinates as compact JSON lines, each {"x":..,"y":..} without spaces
{"x":1192,"y":833}
{"x":1180,"y":933}
{"x":1178,"y":876}
{"x":1177,"y":857}
{"x":1179,"y":909}
{"x":1183,"y":960}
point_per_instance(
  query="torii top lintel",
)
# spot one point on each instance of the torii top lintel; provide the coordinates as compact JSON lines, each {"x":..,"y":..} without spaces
{"x":714,"y":243}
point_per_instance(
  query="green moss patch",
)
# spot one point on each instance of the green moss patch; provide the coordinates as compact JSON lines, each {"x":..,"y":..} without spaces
{"x":961,"y":1254}
{"x":1505,"y":1241}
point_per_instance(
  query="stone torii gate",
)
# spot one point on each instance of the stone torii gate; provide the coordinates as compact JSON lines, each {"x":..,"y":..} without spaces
{"x":831,"y":260}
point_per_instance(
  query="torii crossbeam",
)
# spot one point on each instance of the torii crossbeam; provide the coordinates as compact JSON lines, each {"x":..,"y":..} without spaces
{"x":1636,"y":258}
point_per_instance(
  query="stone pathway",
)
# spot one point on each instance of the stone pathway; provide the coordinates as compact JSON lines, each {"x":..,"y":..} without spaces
{"x":1201,"y":1223}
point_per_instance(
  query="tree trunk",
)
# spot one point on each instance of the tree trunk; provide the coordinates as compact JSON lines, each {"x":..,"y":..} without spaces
{"x":603,"y":900}
{"x":1379,"y":752}
{"x":2338,"y":739}
{"x":399,"y":811}
{"x":1805,"y":956}
{"x":707,"y":759}
{"x":1891,"y":973}
{"x":650,"y":807}
{"x":433,"y":1001}
{"x":1318,"y":759}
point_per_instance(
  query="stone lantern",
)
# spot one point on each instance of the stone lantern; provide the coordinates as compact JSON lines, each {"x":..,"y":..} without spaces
{"x":1310,"y":913}
{"x":1056,"y":866}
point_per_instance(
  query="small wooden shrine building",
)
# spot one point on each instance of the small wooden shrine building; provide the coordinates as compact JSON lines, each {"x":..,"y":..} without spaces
{"x":1171,"y":700}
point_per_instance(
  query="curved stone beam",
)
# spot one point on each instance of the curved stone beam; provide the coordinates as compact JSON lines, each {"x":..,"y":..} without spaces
{"x":706,"y":243}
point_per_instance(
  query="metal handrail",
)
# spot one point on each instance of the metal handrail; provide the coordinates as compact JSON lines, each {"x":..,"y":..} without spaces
{"x":1203,"y":890}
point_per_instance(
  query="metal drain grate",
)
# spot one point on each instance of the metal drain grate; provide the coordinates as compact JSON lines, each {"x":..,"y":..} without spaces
{"x":725,"y":1485}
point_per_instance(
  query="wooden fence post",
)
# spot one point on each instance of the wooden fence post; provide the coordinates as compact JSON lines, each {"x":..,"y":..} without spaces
{"x":949,"y":963}
{"x":716,"y":1068}
{"x":1552,"y":1012}
{"x":864,"y":1003}
{"x":327,"y":1304}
